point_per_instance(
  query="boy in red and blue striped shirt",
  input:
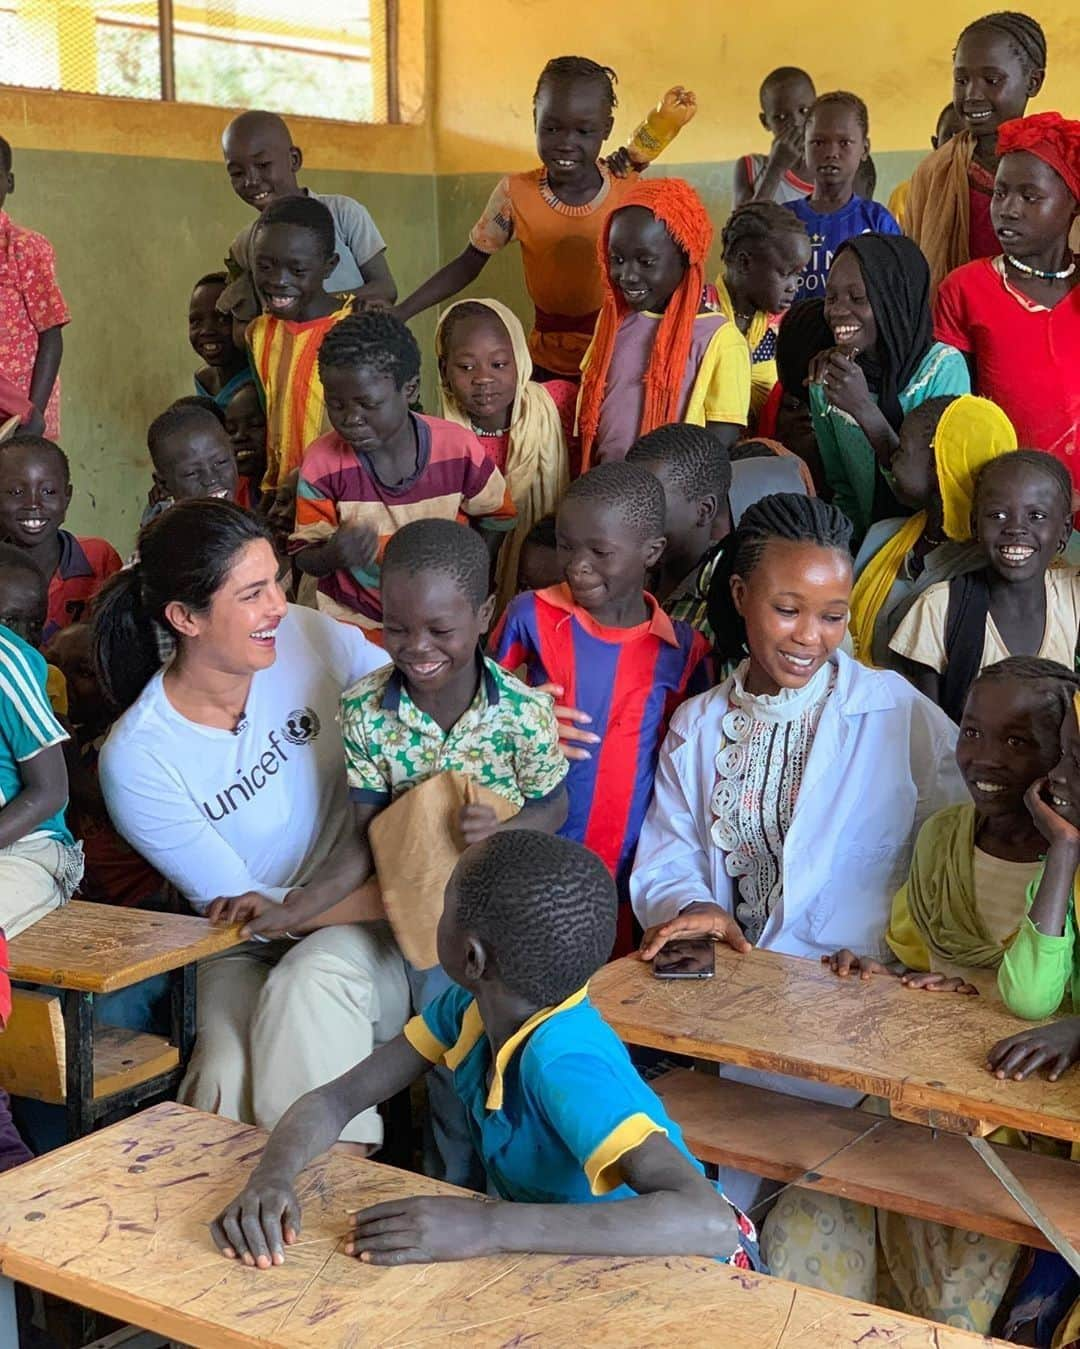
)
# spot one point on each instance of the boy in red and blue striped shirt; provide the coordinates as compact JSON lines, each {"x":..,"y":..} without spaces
{"x":614,"y":652}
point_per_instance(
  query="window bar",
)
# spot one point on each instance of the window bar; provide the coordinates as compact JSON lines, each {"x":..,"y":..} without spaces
{"x":165,"y":47}
{"x":393,"y":98}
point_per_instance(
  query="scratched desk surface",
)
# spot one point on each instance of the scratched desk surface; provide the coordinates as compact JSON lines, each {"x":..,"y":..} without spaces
{"x":924,"y":1052}
{"x":99,"y":948}
{"x":118,"y":1222}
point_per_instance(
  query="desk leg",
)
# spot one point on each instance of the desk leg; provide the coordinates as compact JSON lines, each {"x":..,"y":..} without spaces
{"x":182,"y":990}
{"x":9,"y":1322}
{"x":79,"y":1045}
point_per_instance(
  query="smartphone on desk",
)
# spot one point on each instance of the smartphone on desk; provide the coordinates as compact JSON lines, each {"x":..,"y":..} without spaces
{"x":686,"y":958}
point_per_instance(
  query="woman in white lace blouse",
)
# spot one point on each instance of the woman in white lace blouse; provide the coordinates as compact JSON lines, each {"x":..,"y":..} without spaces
{"x":788,"y":798}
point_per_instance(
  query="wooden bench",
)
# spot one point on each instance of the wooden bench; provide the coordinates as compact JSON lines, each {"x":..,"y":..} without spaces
{"x":52,"y":1051}
{"x":118,"y":1222}
{"x":901,"y":1167}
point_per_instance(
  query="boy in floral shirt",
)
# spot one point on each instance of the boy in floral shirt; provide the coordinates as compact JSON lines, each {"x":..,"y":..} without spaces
{"x":32,"y":315}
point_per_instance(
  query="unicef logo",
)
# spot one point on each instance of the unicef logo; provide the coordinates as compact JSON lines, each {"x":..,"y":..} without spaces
{"x":301,"y":727}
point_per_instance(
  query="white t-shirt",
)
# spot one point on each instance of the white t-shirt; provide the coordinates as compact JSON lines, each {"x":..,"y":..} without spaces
{"x":219,"y":813}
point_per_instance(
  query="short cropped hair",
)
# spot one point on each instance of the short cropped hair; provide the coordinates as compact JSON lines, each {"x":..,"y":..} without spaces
{"x":305,"y":213}
{"x":630,"y":490}
{"x":373,"y":338}
{"x":29,"y":444}
{"x":693,"y":458}
{"x":442,"y":546}
{"x":18,"y":559}
{"x":543,"y":906}
{"x":178,"y":417}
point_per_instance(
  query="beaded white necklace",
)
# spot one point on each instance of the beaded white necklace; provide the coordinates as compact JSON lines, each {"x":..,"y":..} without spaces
{"x":764,"y":747}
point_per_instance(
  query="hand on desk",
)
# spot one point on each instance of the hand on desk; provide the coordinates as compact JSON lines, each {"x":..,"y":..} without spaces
{"x":938,"y":983}
{"x":259,"y":1223}
{"x":420,"y":1230}
{"x":1054,"y":1047}
{"x":845,"y":962}
{"x":696,"y":920}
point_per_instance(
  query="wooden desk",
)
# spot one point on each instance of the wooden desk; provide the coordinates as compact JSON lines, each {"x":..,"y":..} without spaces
{"x":118,"y":1222}
{"x":924,"y":1052}
{"x":89,"y":949}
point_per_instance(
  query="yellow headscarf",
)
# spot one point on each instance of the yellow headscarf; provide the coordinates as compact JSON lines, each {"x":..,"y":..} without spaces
{"x":537,"y":467}
{"x":971,"y":432}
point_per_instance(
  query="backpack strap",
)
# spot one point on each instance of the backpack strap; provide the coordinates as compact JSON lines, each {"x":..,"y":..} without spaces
{"x":965,"y":638}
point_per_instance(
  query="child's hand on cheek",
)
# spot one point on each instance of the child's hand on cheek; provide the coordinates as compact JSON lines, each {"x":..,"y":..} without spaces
{"x":1053,"y":827}
{"x":477,"y":822}
{"x":418,"y":1231}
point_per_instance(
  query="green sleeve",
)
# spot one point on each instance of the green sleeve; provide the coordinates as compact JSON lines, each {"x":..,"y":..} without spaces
{"x":835,"y":462}
{"x":1036,"y":970}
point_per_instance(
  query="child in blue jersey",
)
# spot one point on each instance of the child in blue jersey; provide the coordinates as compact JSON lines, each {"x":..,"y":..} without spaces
{"x":563,"y":1122}
{"x":614,"y":653}
{"x":837,"y":145}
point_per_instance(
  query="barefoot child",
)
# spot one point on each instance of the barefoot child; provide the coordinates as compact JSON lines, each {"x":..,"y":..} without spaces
{"x":382,"y":466}
{"x":556,"y":212}
{"x":766,"y":250}
{"x":787,"y":95}
{"x":210,"y":332}
{"x":614,"y":653}
{"x":837,"y":145}
{"x":35,"y":493}
{"x":487,"y":385}
{"x":293,"y":256}
{"x":662,"y":352}
{"x":262,"y":163}
{"x":557,"y":1112}
{"x":1018,"y":604}
{"x":33,"y":314}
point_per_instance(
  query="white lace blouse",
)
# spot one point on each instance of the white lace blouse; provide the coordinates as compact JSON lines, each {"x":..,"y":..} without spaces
{"x":765,"y":743}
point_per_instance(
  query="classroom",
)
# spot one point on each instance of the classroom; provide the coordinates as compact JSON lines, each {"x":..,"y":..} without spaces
{"x":540,"y":732}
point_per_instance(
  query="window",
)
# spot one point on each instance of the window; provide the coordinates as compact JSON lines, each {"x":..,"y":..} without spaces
{"x":323,"y":59}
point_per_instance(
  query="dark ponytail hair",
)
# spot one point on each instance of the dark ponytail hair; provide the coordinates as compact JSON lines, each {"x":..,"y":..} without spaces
{"x":184,"y":555}
{"x":784,"y":515}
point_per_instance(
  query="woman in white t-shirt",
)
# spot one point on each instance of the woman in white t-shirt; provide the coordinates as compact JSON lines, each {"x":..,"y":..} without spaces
{"x":226,"y":771}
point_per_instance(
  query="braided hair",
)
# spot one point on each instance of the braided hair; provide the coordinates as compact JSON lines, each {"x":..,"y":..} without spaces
{"x":375,"y":339}
{"x":1025,"y":35}
{"x":569,"y":69}
{"x":788,"y":516}
{"x":756,"y":224}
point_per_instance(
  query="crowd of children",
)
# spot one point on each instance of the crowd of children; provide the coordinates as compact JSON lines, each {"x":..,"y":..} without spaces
{"x":679,"y":600}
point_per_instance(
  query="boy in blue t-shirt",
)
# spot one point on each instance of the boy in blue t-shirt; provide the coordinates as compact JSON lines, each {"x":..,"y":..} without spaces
{"x":40,"y":863}
{"x":557,"y":1111}
{"x":837,"y":145}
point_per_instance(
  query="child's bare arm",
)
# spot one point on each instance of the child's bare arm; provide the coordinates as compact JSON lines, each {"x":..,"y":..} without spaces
{"x":44,"y":792}
{"x":676,"y":1212}
{"x":447,"y":281}
{"x":46,"y":366}
{"x":379,"y":283}
{"x":265,"y":1216}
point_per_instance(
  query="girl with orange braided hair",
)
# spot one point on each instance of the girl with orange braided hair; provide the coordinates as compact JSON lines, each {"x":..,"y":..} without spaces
{"x":662,"y":350}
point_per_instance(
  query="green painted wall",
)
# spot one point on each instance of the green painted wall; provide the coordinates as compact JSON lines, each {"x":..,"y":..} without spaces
{"x":131,"y":235}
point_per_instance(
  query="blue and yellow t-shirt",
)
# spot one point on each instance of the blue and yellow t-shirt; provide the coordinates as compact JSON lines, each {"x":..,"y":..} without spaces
{"x":564,"y":1104}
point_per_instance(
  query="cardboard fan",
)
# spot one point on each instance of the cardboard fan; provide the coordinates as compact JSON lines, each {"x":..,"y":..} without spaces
{"x":416,"y":843}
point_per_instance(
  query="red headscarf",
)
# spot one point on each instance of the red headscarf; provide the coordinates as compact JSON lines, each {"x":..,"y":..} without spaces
{"x":679,"y":208}
{"x":1049,"y":137}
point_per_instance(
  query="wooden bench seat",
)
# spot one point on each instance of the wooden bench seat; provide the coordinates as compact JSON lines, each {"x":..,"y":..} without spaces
{"x":33,"y":1053}
{"x":901,"y":1167}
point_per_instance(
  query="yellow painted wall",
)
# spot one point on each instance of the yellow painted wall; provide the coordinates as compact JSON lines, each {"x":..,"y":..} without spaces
{"x":895,"y":53}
